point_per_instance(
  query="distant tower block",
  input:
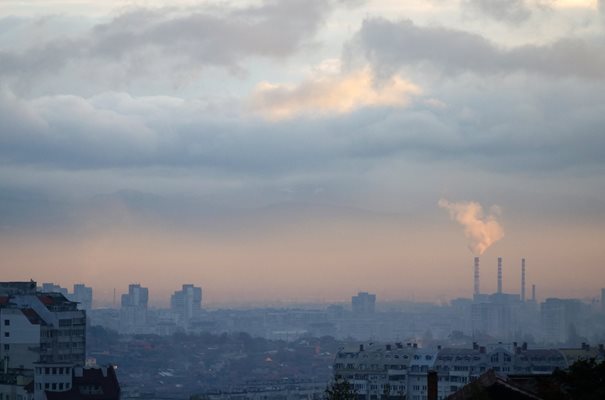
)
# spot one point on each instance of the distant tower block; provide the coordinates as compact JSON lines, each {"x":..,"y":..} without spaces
{"x":523,"y":280}
{"x":476,"y":274}
{"x":499,"y":274}
{"x":533,"y":293}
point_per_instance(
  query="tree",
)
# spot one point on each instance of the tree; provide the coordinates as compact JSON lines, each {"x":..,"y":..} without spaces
{"x":340,"y":389}
{"x":585,"y":380}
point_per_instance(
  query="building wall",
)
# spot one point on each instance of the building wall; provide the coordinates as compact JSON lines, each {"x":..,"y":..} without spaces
{"x":375,"y":369}
{"x":19,"y":339}
{"x":56,"y":377}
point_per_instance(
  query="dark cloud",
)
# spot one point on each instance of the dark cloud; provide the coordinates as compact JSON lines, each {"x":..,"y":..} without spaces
{"x":508,"y":127}
{"x":146,"y":39}
{"x":507,"y":11}
{"x":392,"y":45}
{"x":514,"y":11}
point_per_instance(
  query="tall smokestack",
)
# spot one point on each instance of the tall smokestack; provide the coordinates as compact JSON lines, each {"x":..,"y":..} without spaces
{"x":499,"y":274}
{"x":523,"y":280}
{"x":533,"y":293}
{"x":476,"y":273}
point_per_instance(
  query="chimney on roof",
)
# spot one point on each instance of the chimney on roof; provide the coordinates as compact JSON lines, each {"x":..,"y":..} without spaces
{"x":482,"y":349}
{"x":388,"y":347}
{"x":475,"y":346}
{"x":415,"y":345}
{"x":524,"y":346}
{"x":476,"y":277}
{"x":499,"y":274}
{"x":523,"y":280}
{"x":361,"y":347}
{"x":432,"y":385}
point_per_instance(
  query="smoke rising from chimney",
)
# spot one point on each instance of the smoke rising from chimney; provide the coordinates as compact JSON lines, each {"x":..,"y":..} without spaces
{"x":481,"y":231}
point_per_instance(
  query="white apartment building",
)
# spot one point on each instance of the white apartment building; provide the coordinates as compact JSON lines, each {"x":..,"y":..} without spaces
{"x":376,"y":369}
{"x":38,"y":331}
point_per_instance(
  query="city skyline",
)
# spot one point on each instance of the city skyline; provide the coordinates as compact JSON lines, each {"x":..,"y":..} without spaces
{"x":303,"y":150}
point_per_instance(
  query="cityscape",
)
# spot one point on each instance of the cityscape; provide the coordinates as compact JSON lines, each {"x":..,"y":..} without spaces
{"x":293,"y":352}
{"x":302,"y":200}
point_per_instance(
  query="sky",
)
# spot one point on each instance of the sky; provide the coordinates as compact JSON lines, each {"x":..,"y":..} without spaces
{"x":303,"y":150}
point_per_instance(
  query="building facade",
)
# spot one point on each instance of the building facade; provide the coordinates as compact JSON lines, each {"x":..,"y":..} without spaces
{"x":133,"y":311}
{"x":363,"y":304}
{"x":378,"y":370}
{"x":186,"y":303}
{"x":42,"y":338}
{"x":83,"y":296}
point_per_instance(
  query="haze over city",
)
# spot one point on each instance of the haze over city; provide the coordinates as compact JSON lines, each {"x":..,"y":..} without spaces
{"x":303,"y":150}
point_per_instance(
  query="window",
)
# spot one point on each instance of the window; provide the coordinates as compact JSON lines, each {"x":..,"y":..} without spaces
{"x":7,"y":322}
{"x":47,"y":386}
{"x":61,"y":386}
{"x":54,"y":386}
{"x":7,"y":347}
{"x":7,"y":334}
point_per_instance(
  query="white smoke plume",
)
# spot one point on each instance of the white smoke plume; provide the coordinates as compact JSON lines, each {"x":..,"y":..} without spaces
{"x":481,"y":231}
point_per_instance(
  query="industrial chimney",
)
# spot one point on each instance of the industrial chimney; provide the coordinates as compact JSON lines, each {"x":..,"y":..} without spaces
{"x":476,"y":272}
{"x":533,"y":293}
{"x":499,"y":274}
{"x":523,"y":280}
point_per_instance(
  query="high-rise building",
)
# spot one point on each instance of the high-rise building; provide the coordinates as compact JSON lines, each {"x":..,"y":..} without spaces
{"x":39,"y":330}
{"x":50,"y":287}
{"x":187,"y":302}
{"x":43,"y":345}
{"x":83,"y":296}
{"x":364,"y":303}
{"x":560,"y":319}
{"x":133,"y":313}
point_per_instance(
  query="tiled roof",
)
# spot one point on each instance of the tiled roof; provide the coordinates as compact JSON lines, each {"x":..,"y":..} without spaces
{"x":33,"y":316}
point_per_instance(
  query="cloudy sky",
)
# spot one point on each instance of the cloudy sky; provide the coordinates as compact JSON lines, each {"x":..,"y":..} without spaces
{"x":300,"y":150}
